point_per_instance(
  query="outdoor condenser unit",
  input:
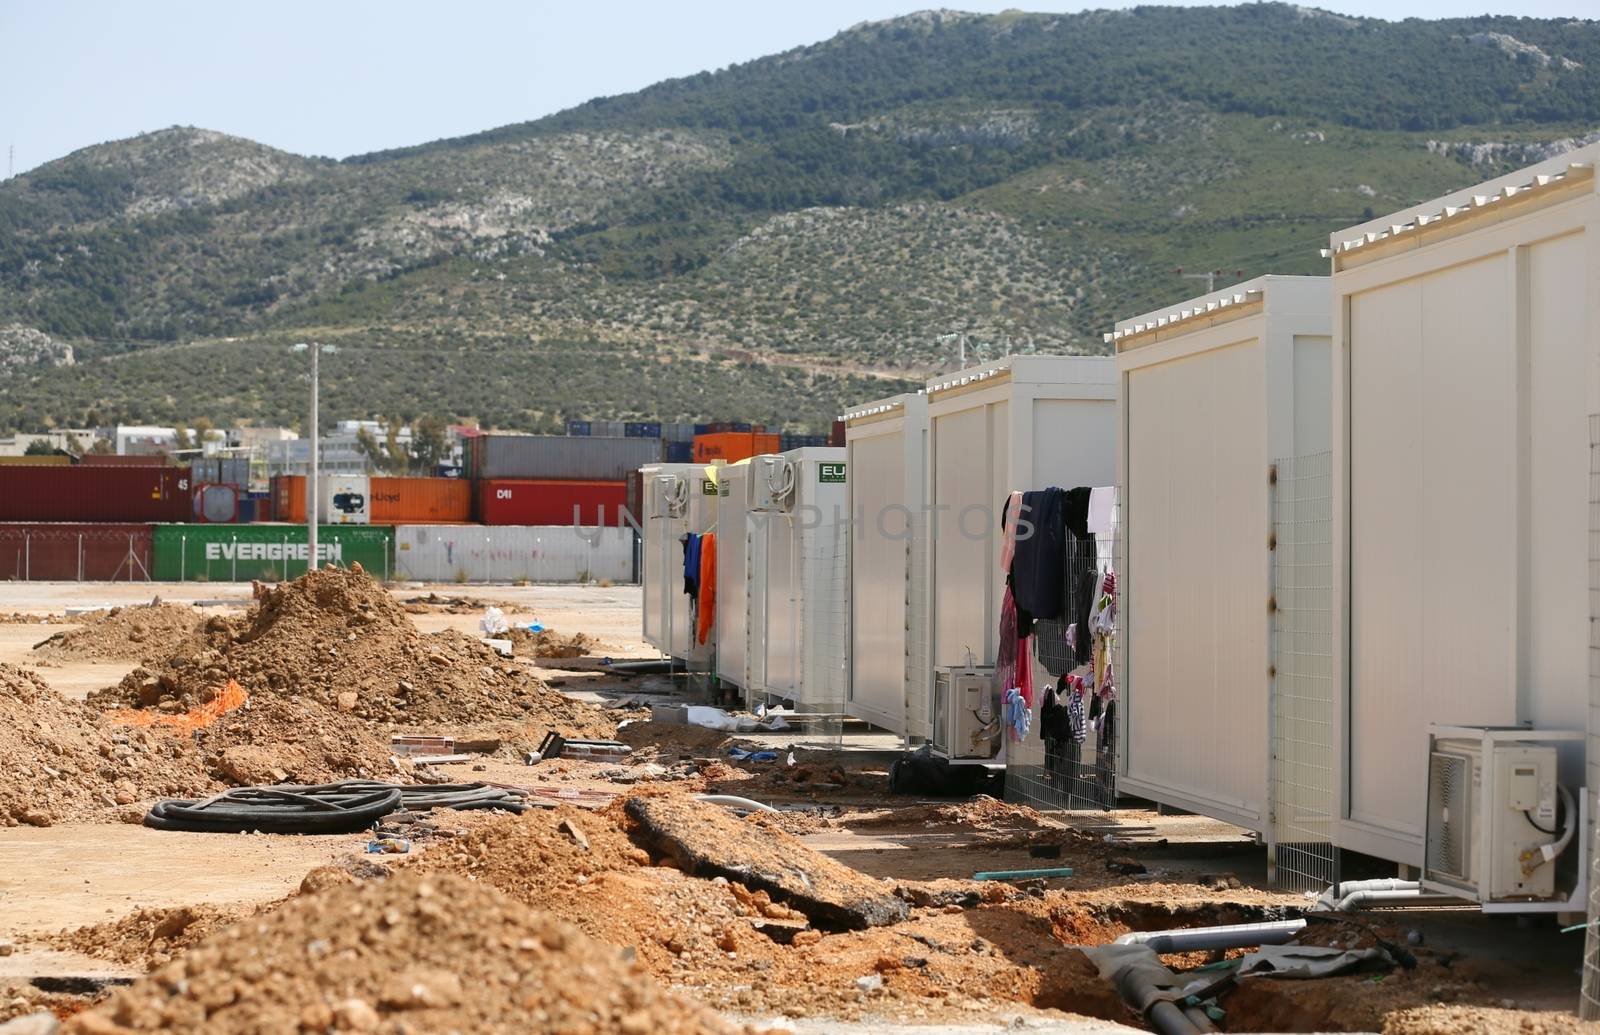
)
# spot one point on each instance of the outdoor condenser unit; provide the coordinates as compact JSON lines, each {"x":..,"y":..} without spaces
{"x":966,"y":714}
{"x":1495,"y":831}
{"x":670,"y":496}
{"x":771,"y":485}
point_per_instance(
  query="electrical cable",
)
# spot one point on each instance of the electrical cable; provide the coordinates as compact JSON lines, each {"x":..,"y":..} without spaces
{"x":335,"y":808}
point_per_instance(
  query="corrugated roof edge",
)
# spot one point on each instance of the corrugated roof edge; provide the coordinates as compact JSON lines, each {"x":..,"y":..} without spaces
{"x":1041,"y":369}
{"x":1477,"y":196}
{"x":877,"y":406}
{"x":1255,"y":290}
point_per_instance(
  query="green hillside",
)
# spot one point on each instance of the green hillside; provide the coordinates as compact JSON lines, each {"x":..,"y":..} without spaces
{"x":774,"y":240}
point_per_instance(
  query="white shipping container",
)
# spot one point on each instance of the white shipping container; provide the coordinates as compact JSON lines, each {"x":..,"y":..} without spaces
{"x":513,"y":553}
{"x":1467,"y":371}
{"x":1212,"y":392}
{"x":345,"y":499}
{"x":678,"y":499}
{"x":1027,"y":422}
{"x":886,"y":445}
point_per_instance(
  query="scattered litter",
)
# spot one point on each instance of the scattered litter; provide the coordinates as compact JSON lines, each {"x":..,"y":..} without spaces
{"x":421,"y":744}
{"x":554,"y":745}
{"x":741,"y":755}
{"x":388,"y":846}
{"x":493,"y":623}
{"x":717,"y":719}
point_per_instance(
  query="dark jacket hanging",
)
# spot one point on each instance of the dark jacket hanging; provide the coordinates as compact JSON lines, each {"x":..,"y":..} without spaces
{"x":1037,"y":564}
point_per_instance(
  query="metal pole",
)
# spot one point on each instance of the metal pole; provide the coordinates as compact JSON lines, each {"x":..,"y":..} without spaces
{"x":311,"y":481}
{"x":80,"y":557}
{"x":183,"y":558}
{"x":27,"y":557}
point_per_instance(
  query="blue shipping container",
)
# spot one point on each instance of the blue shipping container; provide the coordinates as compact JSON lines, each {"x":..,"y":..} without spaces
{"x":642,"y":429}
{"x":702,"y":429}
{"x":577,"y":427}
{"x":680,"y":452}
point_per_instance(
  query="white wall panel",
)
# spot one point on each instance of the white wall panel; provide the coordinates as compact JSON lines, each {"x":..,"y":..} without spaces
{"x":1432,"y":597}
{"x":878,"y":542}
{"x":508,"y":553}
{"x":1557,"y":671}
{"x":1196,"y":509}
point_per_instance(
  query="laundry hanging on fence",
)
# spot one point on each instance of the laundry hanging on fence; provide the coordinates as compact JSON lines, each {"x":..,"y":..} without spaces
{"x":1008,"y":528}
{"x":706,"y":616}
{"x":691,"y":573}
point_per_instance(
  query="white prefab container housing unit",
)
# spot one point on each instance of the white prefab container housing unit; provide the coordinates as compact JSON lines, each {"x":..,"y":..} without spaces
{"x":797,"y":501}
{"x":741,"y":585}
{"x":1024,"y":423}
{"x":1467,"y":372}
{"x":1212,"y":392}
{"x":886,"y":446}
{"x":678,"y":499}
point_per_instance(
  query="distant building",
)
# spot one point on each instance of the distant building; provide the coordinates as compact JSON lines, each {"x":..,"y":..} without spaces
{"x":70,"y":439}
{"x":144,"y":440}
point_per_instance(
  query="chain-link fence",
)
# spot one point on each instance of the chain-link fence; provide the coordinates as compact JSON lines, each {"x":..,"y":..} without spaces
{"x":1589,"y":1000}
{"x":1302,"y":700}
{"x":1069,"y":759}
{"x":76,"y":554}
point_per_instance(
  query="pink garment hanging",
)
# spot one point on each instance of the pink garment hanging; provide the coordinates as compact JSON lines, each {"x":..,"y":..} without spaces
{"x":1008,"y":544}
{"x":1025,"y":669}
{"x":1005,"y":663}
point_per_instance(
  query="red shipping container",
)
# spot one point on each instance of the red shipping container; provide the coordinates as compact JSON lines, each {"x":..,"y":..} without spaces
{"x":507,"y":501}
{"x":66,"y":552}
{"x":836,"y":434}
{"x":114,"y":460}
{"x":79,"y":493}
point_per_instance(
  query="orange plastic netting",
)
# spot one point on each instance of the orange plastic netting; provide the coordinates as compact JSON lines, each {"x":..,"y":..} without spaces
{"x":231,"y":697}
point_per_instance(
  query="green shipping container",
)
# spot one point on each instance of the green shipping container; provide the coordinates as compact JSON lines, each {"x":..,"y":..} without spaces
{"x":239,"y":553}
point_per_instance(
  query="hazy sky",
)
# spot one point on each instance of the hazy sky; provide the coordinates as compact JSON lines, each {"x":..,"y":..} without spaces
{"x":349,"y":76}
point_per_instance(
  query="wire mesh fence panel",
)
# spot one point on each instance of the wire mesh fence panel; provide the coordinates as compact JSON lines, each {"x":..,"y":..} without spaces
{"x":76,"y":553}
{"x":1302,"y":699}
{"x":1069,"y":759}
{"x":1589,"y":1000}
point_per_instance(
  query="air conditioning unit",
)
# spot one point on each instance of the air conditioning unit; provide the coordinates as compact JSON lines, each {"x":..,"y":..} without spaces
{"x":967,"y":721}
{"x":771,"y":483}
{"x":1494,"y":832}
{"x":669,"y":496}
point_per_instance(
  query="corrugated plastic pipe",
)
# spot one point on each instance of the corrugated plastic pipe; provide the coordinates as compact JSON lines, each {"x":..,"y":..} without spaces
{"x":1229,"y":936}
{"x":733,"y":801}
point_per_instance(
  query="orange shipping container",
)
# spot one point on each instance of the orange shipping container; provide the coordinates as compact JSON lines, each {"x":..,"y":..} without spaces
{"x":289,"y":498}
{"x":420,"y":501}
{"x":733,"y":446}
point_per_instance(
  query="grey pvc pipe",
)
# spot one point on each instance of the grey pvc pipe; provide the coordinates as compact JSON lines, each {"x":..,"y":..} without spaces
{"x":1331,"y":898}
{"x":1357,"y":899}
{"x":733,"y":801}
{"x":1229,"y":936}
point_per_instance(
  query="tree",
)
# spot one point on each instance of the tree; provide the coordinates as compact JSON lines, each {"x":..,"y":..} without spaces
{"x":39,"y":447}
{"x":181,"y":437}
{"x":430,"y":443}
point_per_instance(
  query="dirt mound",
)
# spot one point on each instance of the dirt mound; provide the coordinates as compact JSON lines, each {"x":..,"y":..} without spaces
{"x":125,"y":633}
{"x":147,"y":937}
{"x":548,"y":643}
{"x":738,"y":949}
{"x":434,"y":604}
{"x":680,"y":740}
{"x":66,"y":762}
{"x":338,"y":639}
{"x":284,"y":740}
{"x":418,"y":952}
{"x":18,"y":618}
{"x":1449,"y":1020}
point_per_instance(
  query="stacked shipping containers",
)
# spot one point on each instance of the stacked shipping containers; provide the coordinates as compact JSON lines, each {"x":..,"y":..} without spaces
{"x":555,"y":480}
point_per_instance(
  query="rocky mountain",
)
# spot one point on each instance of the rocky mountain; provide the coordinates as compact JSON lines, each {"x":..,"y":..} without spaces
{"x":774,"y":240}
